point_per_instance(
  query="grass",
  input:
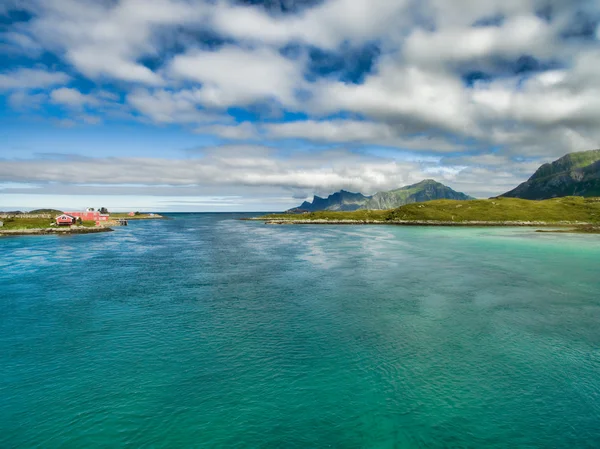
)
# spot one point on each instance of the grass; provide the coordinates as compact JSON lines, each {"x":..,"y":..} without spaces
{"x":45,"y":211}
{"x":34,"y":223}
{"x":566,"y":209}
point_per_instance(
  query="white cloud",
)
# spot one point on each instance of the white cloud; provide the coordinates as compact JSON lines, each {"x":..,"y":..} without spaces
{"x":22,"y":100}
{"x":407,"y":96}
{"x":234,"y":76}
{"x":243,"y":131}
{"x":15,"y":42}
{"x":517,"y":36}
{"x":165,"y":106}
{"x":27,"y":78}
{"x":109,"y":38}
{"x":355,"y":131}
{"x":413,"y":97}
{"x":240,"y":166}
{"x":71,"y":97}
{"x":242,"y":170}
{"x":327,"y":25}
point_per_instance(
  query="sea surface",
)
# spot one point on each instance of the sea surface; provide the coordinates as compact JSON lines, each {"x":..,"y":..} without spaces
{"x":209,"y":332}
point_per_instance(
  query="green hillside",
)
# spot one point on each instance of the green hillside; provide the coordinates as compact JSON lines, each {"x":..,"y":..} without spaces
{"x":576,"y":174}
{"x":426,"y":190}
{"x":558,"y":210}
{"x":45,"y":211}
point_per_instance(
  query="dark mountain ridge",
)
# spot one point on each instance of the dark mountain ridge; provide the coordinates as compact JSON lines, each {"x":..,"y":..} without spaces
{"x":575,"y":174}
{"x":426,"y":190}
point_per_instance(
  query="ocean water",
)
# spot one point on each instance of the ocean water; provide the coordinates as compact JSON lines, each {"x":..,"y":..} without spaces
{"x":207,"y":332}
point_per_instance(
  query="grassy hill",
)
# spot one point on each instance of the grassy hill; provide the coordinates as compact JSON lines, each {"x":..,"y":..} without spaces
{"x":495,"y":210}
{"x":53,"y":212}
{"x":33,"y":223}
{"x":427,"y":190}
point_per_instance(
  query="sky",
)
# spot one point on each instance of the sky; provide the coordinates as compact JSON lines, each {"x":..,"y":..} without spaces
{"x":225,"y":105}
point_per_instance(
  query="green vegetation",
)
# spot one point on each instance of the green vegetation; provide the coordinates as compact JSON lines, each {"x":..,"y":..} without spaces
{"x":17,"y":223}
{"x":362,"y":215}
{"x":426,"y":190}
{"x":497,"y":210}
{"x":52,"y":212}
{"x":503,"y":209}
{"x":576,"y":174}
{"x":26,"y":223}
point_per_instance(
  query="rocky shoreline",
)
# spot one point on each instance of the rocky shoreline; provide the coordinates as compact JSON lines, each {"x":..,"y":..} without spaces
{"x":422,"y":223}
{"x":55,"y":231}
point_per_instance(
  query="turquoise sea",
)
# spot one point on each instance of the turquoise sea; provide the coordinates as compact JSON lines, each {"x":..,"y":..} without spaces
{"x":209,"y":332}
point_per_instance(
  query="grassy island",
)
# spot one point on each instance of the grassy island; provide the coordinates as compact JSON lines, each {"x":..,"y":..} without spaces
{"x":25,"y":222}
{"x":42,"y":222}
{"x":566,"y":211}
{"x":31,"y":224}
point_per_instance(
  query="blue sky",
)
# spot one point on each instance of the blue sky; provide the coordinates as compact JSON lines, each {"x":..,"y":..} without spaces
{"x":256,"y":105}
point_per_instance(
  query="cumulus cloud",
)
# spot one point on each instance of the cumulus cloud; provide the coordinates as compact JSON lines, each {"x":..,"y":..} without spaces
{"x":233,"y":169}
{"x":516,"y":36}
{"x":242,"y":131}
{"x":71,"y":97}
{"x":489,"y":87}
{"x":326,"y":25}
{"x":227,"y":165}
{"x":359,"y":132}
{"x":233,"y":76}
{"x":28,"y":78}
{"x":22,"y":100}
{"x":167,"y":106}
{"x":109,"y":38}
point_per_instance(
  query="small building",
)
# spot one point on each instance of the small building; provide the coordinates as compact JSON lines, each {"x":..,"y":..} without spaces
{"x":89,"y":215}
{"x":65,"y":220}
{"x":131,"y":214}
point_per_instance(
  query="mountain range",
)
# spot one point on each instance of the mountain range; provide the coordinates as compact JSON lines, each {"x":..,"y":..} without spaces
{"x":426,"y":190}
{"x":576,"y":174}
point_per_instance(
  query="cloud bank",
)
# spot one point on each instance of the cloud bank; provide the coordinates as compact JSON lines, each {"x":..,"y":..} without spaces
{"x":312,"y":96}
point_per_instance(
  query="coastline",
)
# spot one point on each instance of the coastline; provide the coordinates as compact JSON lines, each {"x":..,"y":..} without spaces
{"x":55,"y":231}
{"x":24,"y":224}
{"x":568,"y":227}
{"x":481,"y":223}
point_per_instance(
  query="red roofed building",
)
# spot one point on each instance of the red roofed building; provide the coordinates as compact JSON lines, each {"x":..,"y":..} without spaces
{"x":89,"y":215}
{"x":65,"y":220}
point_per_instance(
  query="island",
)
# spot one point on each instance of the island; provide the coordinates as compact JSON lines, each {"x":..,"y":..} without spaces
{"x":577,"y":214}
{"x":56,"y":222}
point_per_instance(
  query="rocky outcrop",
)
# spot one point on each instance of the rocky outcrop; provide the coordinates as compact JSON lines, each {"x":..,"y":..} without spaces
{"x":340,"y":201}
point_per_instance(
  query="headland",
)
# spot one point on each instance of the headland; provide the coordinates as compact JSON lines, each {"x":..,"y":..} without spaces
{"x":578,"y":213}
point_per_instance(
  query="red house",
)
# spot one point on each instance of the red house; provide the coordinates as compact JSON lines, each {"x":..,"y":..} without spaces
{"x":89,"y":215}
{"x":65,"y":220}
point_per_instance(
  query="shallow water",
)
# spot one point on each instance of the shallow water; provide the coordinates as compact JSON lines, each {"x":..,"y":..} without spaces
{"x":206,"y":331}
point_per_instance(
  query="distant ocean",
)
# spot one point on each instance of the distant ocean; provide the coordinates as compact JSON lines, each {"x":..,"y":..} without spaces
{"x":207,"y":331}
